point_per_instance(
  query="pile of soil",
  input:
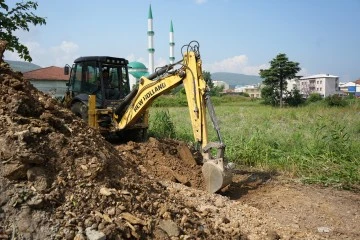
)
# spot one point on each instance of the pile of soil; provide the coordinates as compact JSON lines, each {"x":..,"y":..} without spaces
{"x":60,"y":179}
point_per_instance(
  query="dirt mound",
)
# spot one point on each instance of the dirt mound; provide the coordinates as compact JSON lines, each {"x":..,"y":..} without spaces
{"x":60,"y":179}
{"x":165,"y":159}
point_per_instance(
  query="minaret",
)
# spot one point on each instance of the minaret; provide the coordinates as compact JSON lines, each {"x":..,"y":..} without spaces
{"x":151,"y":48}
{"x":171,"y":43}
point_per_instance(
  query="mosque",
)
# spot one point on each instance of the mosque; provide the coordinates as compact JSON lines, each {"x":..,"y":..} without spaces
{"x":138,"y":69}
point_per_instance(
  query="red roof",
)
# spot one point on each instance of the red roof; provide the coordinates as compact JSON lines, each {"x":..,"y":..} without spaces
{"x":47,"y":73}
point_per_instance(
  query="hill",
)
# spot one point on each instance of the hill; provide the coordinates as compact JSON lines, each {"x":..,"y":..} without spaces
{"x":20,"y":66}
{"x":234,"y":79}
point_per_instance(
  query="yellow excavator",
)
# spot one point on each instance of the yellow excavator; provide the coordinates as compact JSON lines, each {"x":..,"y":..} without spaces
{"x":99,"y":92}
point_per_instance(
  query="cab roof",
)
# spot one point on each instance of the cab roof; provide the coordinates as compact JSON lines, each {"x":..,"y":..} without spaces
{"x":103,"y":59}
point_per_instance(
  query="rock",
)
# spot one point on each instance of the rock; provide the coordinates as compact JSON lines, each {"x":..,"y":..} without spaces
{"x":14,"y":171}
{"x":132,"y":219}
{"x":186,"y":155}
{"x":35,"y":202}
{"x":38,"y":176}
{"x":101,"y":226}
{"x":324,"y":229}
{"x":219,"y":203}
{"x":181,"y":178}
{"x":88,"y":222}
{"x":111,"y":211}
{"x":79,"y":236}
{"x":68,"y":234}
{"x":106,"y":191}
{"x":170,"y":228}
{"x":107,"y":218}
{"x":206,"y":208}
{"x":5,"y":152}
{"x":24,"y":221}
{"x":94,"y":235}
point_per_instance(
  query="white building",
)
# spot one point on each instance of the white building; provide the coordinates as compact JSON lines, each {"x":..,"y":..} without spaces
{"x":293,"y":84}
{"x":324,"y":84}
{"x":254,"y":91}
{"x":221,"y":84}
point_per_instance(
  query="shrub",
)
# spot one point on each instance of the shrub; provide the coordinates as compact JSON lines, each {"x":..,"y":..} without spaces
{"x":294,"y":99}
{"x":244,"y":94}
{"x":162,"y":126}
{"x":314,"y":97}
{"x":335,"y":101}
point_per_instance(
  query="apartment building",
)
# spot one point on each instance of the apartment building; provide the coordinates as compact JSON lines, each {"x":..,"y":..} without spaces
{"x":324,"y":84}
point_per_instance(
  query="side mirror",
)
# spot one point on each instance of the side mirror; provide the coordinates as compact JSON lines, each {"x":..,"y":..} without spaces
{"x":66,"y":70}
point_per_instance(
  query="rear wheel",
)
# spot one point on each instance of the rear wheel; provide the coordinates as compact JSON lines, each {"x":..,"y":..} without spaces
{"x":81,"y":110}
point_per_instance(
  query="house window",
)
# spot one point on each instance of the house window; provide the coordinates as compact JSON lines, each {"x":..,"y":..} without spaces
{"x":320,"y":89}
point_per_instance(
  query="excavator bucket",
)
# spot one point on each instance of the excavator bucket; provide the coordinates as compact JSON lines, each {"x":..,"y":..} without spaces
{"x":216,"y":176}
{"x":215,"y":173}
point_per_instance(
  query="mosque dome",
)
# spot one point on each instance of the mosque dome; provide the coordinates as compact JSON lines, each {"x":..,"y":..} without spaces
{"x":137,"y":69}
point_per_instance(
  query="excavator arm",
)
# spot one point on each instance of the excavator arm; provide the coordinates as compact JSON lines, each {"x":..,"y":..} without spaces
{"x":188,"y":73}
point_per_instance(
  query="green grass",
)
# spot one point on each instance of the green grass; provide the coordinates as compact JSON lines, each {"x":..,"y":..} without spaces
{"x":316,"y":143}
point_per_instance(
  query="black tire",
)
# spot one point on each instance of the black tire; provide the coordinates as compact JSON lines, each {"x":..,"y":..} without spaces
{"x":81,"y":110}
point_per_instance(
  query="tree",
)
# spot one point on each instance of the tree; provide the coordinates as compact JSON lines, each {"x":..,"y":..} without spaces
{"x":275,"y":78}
{"x":214,"y":90}
{"x":208,"y":79}
{"x":14,"y":19}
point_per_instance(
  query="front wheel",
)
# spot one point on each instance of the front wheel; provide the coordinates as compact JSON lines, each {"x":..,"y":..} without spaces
{"x":81,"y":110}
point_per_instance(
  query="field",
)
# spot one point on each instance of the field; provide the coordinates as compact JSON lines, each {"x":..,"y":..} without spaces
{"x":315,"y":143}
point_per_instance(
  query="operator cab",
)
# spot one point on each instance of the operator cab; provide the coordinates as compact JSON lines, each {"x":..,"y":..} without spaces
{"x":103,"y":76}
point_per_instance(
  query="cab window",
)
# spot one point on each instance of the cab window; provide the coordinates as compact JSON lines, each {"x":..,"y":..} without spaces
{"x":85,"y":77}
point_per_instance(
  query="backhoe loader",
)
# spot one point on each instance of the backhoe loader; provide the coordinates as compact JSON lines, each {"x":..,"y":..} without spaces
{"x":99,"y":92}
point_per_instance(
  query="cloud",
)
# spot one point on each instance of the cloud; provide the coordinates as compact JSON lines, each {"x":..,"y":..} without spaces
{"x":236,"y":64}
{"x":200,"y":1}
{"x":133,"y":58}
{"x":64,"y":53}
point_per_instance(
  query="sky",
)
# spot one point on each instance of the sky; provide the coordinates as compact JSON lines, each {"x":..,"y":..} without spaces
{"x":238,"y":36}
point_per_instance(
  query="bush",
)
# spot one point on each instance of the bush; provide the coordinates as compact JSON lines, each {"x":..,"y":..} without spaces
{"x":162,"y":126}
{"x":244,"y":94}
{"x":335,"y":101}
{"x":294,"y":99}
{"x":314,"y":97}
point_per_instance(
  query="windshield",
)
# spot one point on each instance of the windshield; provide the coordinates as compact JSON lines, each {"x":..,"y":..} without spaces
{"x":116,"y":81}
{"x":92,"y":77}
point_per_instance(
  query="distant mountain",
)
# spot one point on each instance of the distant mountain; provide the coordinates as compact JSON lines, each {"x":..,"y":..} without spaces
{"x":234,"y":79}
{"x":21,"y":66}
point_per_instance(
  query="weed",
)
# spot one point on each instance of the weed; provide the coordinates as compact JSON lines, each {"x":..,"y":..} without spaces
{"x":162,"y":125}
